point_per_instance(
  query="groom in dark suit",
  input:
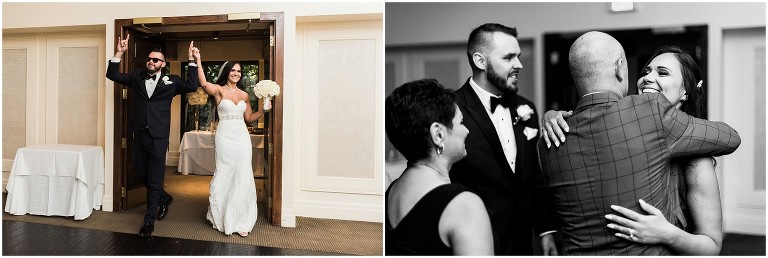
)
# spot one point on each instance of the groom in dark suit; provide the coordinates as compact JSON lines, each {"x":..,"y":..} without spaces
{"x":618,"y":150}
{"x":150,"y":123}
{"x":502,"y":164}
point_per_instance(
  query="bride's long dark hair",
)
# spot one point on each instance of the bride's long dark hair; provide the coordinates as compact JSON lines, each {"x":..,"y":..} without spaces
{"x":224,"y":74}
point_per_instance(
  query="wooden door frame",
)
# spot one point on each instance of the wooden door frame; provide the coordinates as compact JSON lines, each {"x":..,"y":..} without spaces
{"x":277,"y":108}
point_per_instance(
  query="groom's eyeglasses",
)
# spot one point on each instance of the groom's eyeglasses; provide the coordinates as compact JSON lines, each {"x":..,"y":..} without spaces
{"x":155,"y":60}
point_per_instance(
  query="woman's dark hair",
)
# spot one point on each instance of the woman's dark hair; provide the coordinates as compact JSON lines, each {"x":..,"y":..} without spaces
{"x":409,"y":112}
{"x":222,"y":80}
{"x":694,"y":105}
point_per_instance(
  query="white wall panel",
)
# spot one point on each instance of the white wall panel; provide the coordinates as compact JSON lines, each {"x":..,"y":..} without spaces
{"x":342,"y":72}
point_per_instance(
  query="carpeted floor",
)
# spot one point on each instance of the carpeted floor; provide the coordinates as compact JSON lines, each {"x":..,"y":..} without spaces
{"x":186,"y":220}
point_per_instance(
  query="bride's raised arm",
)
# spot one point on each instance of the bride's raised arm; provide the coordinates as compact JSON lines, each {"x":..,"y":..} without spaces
{"x":209,"y":88}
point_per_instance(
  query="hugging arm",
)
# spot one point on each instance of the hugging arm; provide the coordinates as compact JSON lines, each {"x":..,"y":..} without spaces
{"x":703,"y":199}
{"x":687,"y":136}
{"x":655,"y":229}
{"x":554,"y":127}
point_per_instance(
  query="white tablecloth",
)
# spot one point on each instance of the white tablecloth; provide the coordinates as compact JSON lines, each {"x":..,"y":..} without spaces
{"x":197,"y":156}
{"x":56,"y":180}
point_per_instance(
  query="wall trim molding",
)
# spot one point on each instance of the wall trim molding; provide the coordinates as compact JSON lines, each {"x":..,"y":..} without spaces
{"x":753,"y":224}
{"x":339,"y":210}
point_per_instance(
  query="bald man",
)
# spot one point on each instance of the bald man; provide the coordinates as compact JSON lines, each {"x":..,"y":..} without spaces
{"x":618,"y":150}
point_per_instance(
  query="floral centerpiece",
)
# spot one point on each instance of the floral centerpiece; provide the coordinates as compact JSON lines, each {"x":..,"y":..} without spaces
{"x":266,"y":89}
{"x":197,"y":99}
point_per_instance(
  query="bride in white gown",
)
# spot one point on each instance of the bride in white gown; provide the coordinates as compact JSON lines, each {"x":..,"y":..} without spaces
{"x":233,"y":191}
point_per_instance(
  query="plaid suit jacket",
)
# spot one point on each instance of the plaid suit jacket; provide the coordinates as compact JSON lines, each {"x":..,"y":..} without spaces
{"x":618,"y":150}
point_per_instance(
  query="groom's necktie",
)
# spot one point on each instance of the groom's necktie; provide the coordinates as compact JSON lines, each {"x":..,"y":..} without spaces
{"x":498,"y":101}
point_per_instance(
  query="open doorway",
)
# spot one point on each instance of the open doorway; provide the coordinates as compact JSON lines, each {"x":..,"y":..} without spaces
{"x":638,"y":44}
{"x":260,"y":33}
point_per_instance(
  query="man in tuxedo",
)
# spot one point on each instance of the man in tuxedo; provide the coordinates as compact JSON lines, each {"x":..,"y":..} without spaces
{"x":502,"y":164}
{"x":150,"y":122}
{"x":618,"y":151}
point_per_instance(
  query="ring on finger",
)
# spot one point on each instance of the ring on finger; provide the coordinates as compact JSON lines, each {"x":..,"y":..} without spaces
{"x":631,"y":236}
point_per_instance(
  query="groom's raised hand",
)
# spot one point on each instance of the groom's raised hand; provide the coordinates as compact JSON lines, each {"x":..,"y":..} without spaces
{"x":122,"y":45}
{"x":191,"y":47}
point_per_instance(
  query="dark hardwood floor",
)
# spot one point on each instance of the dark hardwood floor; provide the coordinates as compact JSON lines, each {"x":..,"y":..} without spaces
{"x":24,"y":238}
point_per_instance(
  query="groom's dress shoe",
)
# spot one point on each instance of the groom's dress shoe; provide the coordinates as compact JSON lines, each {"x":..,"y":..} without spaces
{"x":146,"y":230}
{"x":164,"y":209}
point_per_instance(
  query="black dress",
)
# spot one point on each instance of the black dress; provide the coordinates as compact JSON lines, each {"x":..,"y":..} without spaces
{"x":417,"y":233}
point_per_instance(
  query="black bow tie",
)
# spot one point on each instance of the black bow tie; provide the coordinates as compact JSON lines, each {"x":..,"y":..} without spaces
{"x":150,"y":77}
{"x":498,"y":101}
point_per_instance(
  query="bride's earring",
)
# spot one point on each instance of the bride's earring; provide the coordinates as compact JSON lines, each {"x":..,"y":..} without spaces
{"x":684,"y":97}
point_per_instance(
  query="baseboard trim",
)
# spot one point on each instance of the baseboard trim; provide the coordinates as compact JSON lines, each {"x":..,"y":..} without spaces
{"x":172,"y":158}
{"x":288,"y":219}
{"x":106,"y":203}
{"x":339,"y":210}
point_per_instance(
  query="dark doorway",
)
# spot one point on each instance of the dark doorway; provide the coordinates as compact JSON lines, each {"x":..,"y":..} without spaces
{"x":164,"y":33}
{"x":639,"y":45}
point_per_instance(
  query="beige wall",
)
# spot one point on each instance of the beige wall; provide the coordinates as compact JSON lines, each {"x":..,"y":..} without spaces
{"x":26,"y":18}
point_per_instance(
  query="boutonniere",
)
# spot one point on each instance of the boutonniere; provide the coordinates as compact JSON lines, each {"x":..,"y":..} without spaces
{"x":524,"y":112}
{"x":166,"y":80}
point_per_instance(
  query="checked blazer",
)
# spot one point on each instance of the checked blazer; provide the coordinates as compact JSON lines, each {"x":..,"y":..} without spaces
{"x":618,"y":150}
{"x":511,"y":199}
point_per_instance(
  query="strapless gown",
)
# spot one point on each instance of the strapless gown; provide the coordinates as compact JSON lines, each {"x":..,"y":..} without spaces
{"x":233,"y":191}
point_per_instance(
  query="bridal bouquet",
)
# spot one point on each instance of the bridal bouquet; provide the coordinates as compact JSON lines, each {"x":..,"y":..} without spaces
{"x":266,"y":89}
{"x":197,"y":98}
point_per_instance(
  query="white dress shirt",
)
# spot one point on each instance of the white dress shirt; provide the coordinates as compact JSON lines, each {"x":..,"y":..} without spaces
{"x":150,"y":84}
{"x":502,"y":121}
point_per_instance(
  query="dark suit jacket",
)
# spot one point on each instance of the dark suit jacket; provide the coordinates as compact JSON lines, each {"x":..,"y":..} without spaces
{"x":618,"y":150}
{"x":154,"y":112}
{"x":510,"y":198}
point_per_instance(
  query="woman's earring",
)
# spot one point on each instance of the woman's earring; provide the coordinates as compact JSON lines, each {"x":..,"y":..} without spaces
{"x":439,"y":149}
{"x":684,"y":97}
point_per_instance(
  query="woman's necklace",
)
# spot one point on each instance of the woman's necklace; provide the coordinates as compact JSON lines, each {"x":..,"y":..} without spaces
{"x":229,"y":87}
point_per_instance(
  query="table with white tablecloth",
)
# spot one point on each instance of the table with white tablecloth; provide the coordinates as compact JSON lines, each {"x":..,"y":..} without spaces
{"x":197,"y":155}
{"x":56,"y":180}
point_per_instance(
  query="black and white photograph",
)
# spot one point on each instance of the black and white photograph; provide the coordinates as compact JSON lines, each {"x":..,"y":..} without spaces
{"x":600,"y":128}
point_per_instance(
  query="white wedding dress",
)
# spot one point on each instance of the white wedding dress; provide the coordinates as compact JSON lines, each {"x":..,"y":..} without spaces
{"x":233,"y":191}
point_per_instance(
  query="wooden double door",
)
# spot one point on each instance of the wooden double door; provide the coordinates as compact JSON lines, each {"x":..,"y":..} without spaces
{"x":128,"y":190}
